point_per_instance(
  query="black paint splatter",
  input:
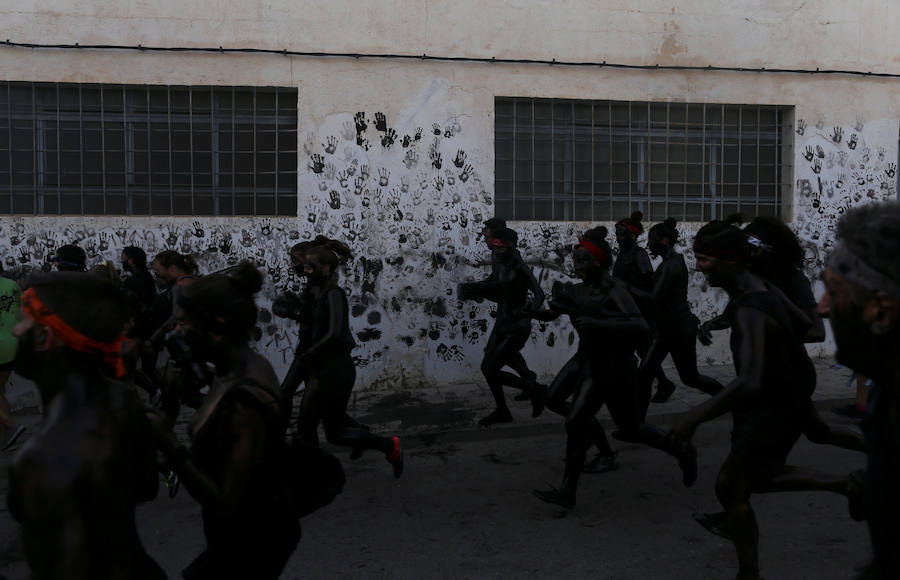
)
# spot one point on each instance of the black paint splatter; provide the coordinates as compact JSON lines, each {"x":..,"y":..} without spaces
{"x":367,"y":334}
{"x":374,"y":317}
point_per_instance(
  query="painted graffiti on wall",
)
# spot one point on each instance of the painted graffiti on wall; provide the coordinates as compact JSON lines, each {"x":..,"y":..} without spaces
{"x":409,"y":192}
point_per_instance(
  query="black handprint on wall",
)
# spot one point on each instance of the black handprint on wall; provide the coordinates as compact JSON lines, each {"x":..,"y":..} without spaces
{"x":460,"y":159}
{"x":809,"y":154}
{"x":380,"y":122}
{"x":360,"y":120}
{"x":334,"y":199}
{"x":436,"y":159}
{"x":317,"y":163}
{"x":384,"y":176}
{"x":388,"y":138}
{"x":801,"y":127}
{"x":837,"y":134}
{"x":330,"y":145}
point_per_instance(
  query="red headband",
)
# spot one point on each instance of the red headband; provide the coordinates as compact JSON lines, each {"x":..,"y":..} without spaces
{"x":595,"y":251}
{"x":629,"y":226}
{"x":41,"y":314}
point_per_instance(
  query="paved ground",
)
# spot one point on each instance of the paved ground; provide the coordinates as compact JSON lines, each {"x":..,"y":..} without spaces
{"x":464,"y":508}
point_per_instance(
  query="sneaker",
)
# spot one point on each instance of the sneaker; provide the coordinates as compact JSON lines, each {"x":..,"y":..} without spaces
{"x":602,"y":464}
{"x":12,"y":435}
{"x":395,"y":457}
{"x":557,"y":496}
{"x":497,"y":416}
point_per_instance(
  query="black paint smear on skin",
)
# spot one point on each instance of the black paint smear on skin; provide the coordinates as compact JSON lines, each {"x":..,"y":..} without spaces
{"x":367,"y":334}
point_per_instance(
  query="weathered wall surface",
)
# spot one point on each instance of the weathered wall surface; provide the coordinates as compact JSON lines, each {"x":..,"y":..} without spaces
{"x":770,"y":33}
{"x":396,"y":157}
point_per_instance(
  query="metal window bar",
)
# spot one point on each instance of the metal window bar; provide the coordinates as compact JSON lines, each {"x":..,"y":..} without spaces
{"x":34,"y":152}
{"x":129,"y":203}
{"x":58,"y":153}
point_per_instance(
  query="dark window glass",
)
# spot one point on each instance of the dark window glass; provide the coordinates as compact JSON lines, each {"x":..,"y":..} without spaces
{"x":147,"y":150}
{"x":559,"y":159}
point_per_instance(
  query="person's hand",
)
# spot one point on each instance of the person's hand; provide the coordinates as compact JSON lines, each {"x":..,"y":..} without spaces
{"x":704,"y":334}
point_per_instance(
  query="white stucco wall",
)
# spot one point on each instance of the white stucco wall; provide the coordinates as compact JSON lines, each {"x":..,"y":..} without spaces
{"x":414,"y":222}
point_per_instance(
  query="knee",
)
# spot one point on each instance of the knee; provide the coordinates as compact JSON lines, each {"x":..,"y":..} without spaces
{"x":729,"y":492}
{"x":488,"y":368}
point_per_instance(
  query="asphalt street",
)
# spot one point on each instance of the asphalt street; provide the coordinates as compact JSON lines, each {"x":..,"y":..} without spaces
{"x":464,"y":509}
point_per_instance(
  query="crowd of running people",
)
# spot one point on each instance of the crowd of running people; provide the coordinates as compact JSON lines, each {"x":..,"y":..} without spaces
{"x":87,"y":338}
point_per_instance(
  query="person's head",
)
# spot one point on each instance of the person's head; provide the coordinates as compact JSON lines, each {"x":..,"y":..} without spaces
{"x":320,"y":263}
{"x":862,"y":283}
{"x":493,"y":225}
{"x":169,"y":266}
{"x":628,"y":230}
{"x":218,"y":309}
{"x":107,"y":271}
{"x":70,"y":310}
{"x":592,"y":256}
{"x":298,"y":256}
{"x":502,"y":240}
{"x":662,"y":236}
{"x":134,"y":259}
{"x":70,"y":258}
{"x":774,"y":249}
{"x":721,"y":251}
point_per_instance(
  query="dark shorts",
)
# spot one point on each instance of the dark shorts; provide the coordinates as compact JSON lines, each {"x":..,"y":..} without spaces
{"x":762,"y":438}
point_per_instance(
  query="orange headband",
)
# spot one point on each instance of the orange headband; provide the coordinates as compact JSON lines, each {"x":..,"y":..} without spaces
{"x":41,"y":314}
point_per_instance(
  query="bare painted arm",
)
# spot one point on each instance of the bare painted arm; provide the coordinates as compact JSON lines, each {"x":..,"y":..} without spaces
{"x":627,"y":317}
{"x":750,"y":323}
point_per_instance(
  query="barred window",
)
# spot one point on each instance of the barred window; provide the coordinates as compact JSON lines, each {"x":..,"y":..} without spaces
{"x":600,"y":160}
{"x":147,"y":150}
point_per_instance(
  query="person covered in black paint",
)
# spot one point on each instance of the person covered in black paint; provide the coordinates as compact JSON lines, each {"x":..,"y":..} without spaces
{"x":75,"y":484}
{"x":674,"y":329}
{"x":298,"y":307}
{"x":633,"y":267}
{"x":508,"y":286}
{"x":610,"y":328}
{"x":862,"y":302}
{"x":768,"y":399}
{"x":776,"y":256}
{"x":234,"y":465}
{"x":330,"y":370}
